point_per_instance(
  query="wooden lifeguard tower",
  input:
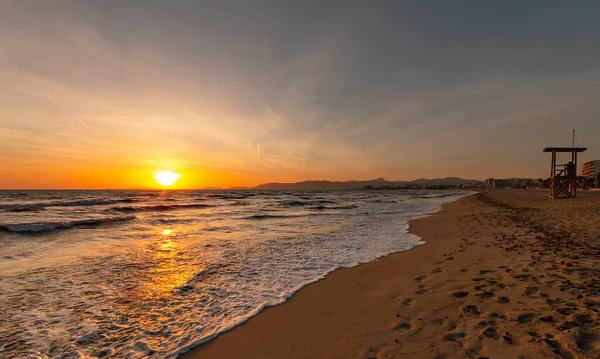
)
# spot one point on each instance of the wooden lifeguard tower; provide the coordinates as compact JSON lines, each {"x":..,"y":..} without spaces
{"x":563,"y":178}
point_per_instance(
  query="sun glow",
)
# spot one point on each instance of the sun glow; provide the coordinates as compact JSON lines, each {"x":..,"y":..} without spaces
{"x":166,"y":178}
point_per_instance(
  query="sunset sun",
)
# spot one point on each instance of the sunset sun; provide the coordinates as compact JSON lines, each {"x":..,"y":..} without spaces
{"x":166,"y":178}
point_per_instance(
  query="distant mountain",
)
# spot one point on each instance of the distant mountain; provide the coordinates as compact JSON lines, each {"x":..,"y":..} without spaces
{"x":312,"y":185}
{"x":375,"y":183}
{"x":448,"y":181}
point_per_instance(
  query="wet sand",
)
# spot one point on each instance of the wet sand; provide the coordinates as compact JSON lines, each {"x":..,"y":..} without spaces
{"x":504,"y":274}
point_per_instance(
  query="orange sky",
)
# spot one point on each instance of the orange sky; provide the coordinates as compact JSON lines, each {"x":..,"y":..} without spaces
{"x":99,"y":94}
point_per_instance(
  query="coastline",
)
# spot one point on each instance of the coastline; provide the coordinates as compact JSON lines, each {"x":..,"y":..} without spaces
{"x":465,"y":293}
{"x":346,"y":278}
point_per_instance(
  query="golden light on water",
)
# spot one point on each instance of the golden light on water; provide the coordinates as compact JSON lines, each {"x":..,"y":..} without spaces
{"x":166,"y":178}
{"x":171,"y":269}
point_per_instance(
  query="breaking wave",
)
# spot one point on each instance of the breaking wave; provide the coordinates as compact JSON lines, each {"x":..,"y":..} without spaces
{"x":29,"y":207}
{"x":160,"y":207}
{"x":52,"y":226}
{"x":268,"y":216}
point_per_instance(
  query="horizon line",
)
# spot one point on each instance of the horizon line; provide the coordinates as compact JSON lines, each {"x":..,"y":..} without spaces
{"x":214,"y":188}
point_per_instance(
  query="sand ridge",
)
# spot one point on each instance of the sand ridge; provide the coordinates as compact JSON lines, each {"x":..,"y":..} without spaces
{"x":504,"y":274}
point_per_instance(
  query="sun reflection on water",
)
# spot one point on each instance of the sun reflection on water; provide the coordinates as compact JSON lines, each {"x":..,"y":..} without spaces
{"x":171,"y":268}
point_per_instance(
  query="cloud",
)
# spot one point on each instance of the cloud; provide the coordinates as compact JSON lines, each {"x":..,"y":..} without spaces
{"x":394,"y":90}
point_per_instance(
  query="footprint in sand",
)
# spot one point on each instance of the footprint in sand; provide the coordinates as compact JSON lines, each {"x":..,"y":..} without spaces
{"x":565,"y":310}
{"x":483,"y":323}
{"x":497,"y":315}
{"x":526,"y":318}
{"x":523,"y":277}
{"x":486,"y":295}
{"x":406,"y":302}
{"x":421,"y":291}
{"x":402,"y":326}
{"x":470,"y":309}
{"x":530,"y":291}
{"x":588,"y":341}
{"x":556,"y":348}
{"x":454,"y":336}
{"x":460,"y":294}
{"x":503,"y":300}
{"x":490,"y":333}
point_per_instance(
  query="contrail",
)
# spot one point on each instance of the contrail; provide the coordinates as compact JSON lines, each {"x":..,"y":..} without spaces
{"x":258,"y":149}
{"x":64,"y":110}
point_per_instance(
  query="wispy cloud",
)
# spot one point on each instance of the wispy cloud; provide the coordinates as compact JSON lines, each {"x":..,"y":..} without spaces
{"x":387,"y":89}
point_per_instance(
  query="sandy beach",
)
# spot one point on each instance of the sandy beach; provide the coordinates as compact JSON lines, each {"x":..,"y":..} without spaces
{"x":504,"y":274}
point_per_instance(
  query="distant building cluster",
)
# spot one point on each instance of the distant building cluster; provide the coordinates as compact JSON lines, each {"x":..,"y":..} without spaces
{"x":523,"y":183}
{"x":414,"y":186}
{"x":590,"y":178}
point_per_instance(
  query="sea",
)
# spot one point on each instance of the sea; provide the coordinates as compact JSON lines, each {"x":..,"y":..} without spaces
{"x":151,"y":274}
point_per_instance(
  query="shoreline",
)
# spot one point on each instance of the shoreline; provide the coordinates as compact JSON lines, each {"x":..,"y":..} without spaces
{"x":183,"y":352}
{"x":195,"y":351}
{"x":498,"y":277}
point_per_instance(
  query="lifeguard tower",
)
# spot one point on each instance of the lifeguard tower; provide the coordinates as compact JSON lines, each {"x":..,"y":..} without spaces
{"x":563,"y":178}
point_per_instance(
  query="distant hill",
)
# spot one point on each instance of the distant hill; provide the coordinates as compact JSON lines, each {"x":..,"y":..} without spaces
{"x":447,"y":181}
{"x":375,"y":183}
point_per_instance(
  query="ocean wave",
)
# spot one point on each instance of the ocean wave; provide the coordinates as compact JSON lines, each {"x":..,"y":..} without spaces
{"x":129,"y":300}
{"x":230,"y":196}
{"x":160,"y":207}
{"x":19,"y":209}
{"x":30,"y":207}
{"x":434,"y":195}
{"x":268,"y":216}
{"x":307,"y":202}
{"x":295,"y":203}
{"x":52,"y":226}
{"x":172,"y":220}
{"x":239,"y":203}
{"x":384,"y":201}
{"x":217,"y":229}
{"x":322,"y":207}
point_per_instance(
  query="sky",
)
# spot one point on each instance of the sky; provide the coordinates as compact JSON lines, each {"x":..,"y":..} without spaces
{"x":102,"y":93}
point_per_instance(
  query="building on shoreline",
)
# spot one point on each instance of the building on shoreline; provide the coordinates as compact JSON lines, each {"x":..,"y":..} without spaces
{"x":583,"y":182}
{"x":590,"y":169}
{"x":524,"y":183}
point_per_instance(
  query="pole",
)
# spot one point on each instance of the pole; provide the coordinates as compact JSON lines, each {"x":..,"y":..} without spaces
{"x":573,"y":148}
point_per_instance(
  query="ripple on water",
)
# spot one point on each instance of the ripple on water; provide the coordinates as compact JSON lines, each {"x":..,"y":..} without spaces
{"x":170,"y":288}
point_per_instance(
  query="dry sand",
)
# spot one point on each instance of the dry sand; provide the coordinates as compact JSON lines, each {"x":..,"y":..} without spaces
{"x":504,"y":274}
